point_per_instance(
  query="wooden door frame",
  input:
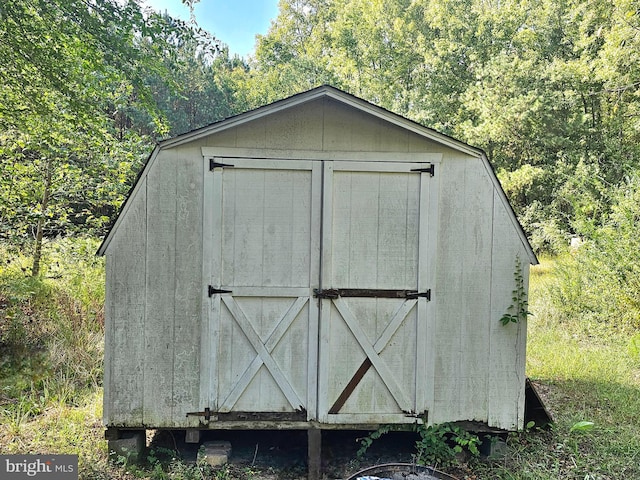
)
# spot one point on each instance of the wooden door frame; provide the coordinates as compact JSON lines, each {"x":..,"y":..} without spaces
{"x":322,"y":160}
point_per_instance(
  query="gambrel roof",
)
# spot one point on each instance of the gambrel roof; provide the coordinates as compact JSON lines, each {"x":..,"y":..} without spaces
{"x":346,"y":99}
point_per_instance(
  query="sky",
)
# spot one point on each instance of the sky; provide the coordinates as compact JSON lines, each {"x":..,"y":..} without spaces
{"x":234,"y":22}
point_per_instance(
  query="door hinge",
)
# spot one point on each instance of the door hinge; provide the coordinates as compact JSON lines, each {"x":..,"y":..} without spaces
{"x":431,"y":170}
{"x":426,"y":294}
{"x":214,"y":291}
{"x":213,"y":164}
{"x":207,"y":414}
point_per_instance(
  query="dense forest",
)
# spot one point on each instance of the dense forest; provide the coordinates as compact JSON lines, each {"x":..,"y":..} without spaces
{"x":549,"y":89}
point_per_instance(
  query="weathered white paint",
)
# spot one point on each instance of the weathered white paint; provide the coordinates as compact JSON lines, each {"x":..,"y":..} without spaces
{"x":154,"y":318}
{"x":463,"y":274}
{"x":125,"y":313}
{"x":188,"y":288}
{"x":371,"y":240}
{"x":264,"y":215}
{"x":380,"y":123}
{"x":506,"y":381}
{"x":260,"y":156}
{"x":321,"y":196}
{"x":159,"y":322}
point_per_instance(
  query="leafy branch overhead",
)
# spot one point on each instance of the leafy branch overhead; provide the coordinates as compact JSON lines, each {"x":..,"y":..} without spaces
{"x":518,"y":310}
{"x":86,"y":87}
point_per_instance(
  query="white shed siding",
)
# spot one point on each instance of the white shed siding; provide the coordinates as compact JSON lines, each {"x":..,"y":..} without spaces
{"x":125,"y":314}
{"x":322,"y":125}
{"x":160,"y":299}
{"x":461,"y":290}
{"x":154,"y":290}
{"x":475,"y":278}
{"x":478,"y":226}
{"x":188,"y":285}
{"x":347,"y":129}
{"x":171,"y":349}
{"x":507,"y":344}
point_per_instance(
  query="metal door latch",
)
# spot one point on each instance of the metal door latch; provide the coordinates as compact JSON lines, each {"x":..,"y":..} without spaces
{"x":369,"y":293}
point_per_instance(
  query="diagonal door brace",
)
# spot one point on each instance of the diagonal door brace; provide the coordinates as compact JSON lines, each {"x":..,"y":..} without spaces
{"x":372,"y":355}
{"x":264,"y":353}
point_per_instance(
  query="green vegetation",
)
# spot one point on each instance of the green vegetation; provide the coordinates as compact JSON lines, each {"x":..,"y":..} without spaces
{"x":587,"y":374}
{"x":517,"y":311}
{"x":586,"y":367}
{"x":587,"y":370}
{"x":440,"y":445}
{"x":549,"y":89}
{"x":86,"y":88}
{"x":436,"y":444}
{"x":51,"y":349}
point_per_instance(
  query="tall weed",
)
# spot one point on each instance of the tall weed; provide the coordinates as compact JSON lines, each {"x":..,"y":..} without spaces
{"x":51,"y":326}
{"x":598,"y":283}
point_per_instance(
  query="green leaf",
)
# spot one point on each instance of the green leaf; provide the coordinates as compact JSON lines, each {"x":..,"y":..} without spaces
{"x":583,"y":426}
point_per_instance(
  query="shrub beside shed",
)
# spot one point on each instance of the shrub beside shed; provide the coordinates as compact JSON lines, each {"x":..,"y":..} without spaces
{"x":316,"y":263}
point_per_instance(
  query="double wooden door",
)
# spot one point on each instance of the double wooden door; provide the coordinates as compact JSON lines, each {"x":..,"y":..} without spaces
{"x":317,"y":291}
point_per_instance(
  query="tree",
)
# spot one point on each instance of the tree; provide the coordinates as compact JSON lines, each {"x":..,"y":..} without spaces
{"x":67,"y":68}
{"x":548,"y":89}
{"x":206,"y":83}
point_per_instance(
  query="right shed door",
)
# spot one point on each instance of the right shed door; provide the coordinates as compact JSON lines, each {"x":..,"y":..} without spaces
{"x":374,"y":292}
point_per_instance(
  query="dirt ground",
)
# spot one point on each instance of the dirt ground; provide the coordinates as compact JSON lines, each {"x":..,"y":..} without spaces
{"x":282,"y":454}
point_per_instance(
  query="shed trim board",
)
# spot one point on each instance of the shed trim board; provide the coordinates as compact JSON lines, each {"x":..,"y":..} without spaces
{"x":345,"y":98}
{"x":261,"y":153}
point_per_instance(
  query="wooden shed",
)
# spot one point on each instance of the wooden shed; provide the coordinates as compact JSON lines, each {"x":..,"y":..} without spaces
{"x":316,"y":263}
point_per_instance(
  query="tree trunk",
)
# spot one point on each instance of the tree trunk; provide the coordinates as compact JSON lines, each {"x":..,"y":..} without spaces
{"x":44,"y":205}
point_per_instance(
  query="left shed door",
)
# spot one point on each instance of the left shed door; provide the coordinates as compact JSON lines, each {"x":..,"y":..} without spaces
{"x":262,"y":239}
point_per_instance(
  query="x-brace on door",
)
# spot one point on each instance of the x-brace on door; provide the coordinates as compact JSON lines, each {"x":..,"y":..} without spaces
{"x":374,"y":292}
{"x":317,"y":302}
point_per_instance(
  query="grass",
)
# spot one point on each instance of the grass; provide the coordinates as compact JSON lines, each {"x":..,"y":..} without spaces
{"x":51,"y":349}
{"x":51,"y":398}
{"x":61,"y":428}
{"x":584,"y":377}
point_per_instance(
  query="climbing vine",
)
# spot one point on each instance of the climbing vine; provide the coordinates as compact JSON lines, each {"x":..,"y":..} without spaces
{"x":519,"y":309}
